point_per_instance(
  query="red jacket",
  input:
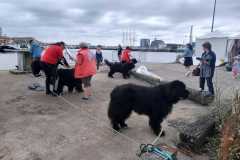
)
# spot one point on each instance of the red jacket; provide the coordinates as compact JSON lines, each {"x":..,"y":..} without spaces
{"x":126,"y":56}
{"x":85,"y":65}
{"x":52,"y":54}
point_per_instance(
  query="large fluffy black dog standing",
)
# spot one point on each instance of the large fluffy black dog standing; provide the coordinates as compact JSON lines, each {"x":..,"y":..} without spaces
{"x":155,"y":102}
{"x":66,"y":78}
{"x":123,"y":68}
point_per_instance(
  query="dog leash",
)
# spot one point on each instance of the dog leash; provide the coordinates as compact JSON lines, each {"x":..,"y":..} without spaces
{"x":69,"y":54}
{"x":158,"y":137}
{"x":97,"y":120}
{"x":149,"y":148}
{"x":155,"y":150}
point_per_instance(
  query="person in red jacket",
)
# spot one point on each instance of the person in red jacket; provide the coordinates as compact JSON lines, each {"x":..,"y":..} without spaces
{"x":85,"y":68}
{"x":50,"y":58}
{"x":126,"y":55}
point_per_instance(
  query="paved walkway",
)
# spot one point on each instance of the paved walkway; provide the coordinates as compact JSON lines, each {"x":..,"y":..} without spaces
{"x":38,"y":127}
{"x":222,"y":79}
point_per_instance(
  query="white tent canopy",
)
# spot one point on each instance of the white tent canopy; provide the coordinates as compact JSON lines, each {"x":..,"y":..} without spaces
{"x":215,"y":34}
{"x":219,"y":43}
{"x":235,"y":37}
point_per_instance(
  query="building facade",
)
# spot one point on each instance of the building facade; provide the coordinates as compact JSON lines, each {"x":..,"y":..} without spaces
{"x":5,"y":40}
{"x":157,"y":44}
{"x":145,"y":43}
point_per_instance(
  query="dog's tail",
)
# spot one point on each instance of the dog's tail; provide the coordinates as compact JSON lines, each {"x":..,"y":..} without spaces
{"x":107,"y":62}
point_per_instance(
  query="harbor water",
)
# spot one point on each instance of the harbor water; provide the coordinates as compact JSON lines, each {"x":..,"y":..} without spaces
{"x":9,"y":60}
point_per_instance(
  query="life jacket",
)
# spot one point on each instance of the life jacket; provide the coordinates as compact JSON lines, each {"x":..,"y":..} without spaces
{"x":126,"y":56}
{"x":86,"y":64}
{"x":52,"y":54}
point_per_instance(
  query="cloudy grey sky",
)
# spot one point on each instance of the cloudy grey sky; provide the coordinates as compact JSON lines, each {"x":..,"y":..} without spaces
{"x":103,"y":21}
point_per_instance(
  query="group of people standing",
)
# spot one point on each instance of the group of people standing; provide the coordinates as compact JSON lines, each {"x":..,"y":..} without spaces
{"x":125,"y":55}
{"x":207,"y":65}
{"x":86,"y":63}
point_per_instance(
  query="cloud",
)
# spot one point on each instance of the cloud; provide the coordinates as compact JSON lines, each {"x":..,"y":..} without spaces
{"x":103,"y":21}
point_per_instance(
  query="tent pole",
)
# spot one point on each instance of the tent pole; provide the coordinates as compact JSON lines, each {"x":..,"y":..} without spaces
{"x":213,"y":18}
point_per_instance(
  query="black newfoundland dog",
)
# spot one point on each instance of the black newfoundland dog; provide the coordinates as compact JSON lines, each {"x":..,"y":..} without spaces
{"x":154,"y":102}
{"x":66,"y":78}
{"x":123,"y":68}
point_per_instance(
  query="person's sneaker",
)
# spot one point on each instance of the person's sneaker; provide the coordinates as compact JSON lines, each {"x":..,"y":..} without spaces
{"x":51,"y":94}
{"x":209,"y":94}
{"x":85,"y":98}
{"x":37,"y":75}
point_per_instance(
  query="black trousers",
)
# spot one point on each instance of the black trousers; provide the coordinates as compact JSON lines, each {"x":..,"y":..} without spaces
{"x":209,"y":84}
{"x":50,"y":71}
{"x":36,"y":66}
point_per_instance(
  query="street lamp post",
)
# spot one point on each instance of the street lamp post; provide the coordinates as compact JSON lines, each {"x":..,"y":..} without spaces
{"x":213,"y":18}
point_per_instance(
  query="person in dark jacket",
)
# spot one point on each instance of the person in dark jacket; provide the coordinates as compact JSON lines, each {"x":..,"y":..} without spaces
{"x":119,"y":51}
{"x":207,"y":67}
{"x":188,"y":61}
{"x":99,"y":57}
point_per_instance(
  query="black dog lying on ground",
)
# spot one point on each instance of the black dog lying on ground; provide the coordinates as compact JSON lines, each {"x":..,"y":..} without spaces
{"x":123,"y":68}
{"x":66,"y":78}
{"x":154,"y":102}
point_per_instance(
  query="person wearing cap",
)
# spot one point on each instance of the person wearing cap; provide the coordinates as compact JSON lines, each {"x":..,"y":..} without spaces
{"x":126,"y":55}
{"x":85,"y":68}
{"x":50,"y":58}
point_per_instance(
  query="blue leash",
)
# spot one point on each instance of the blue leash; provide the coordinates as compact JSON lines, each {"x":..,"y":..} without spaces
{"x":155,"y":150}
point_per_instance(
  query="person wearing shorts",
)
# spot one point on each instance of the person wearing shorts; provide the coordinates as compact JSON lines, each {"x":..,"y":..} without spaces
{"x":85,"y":68}
{"x":188,"y":60}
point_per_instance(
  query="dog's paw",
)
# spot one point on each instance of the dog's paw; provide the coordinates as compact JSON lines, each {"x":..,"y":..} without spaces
{"x":163,"y":134}
{"x":116,"y":128}
{"x":124,"y":126}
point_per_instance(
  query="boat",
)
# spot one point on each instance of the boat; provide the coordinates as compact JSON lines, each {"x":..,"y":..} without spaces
{"x":7,"y":48}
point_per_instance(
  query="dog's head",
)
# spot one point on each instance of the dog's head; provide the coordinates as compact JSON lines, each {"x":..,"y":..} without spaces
{"x":134,"y":61}
{"x":178,"y":91}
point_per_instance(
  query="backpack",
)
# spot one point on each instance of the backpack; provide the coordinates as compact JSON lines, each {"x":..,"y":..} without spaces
{"x":196,"y":71}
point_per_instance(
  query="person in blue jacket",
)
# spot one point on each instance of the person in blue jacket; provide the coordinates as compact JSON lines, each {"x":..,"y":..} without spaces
{"x":99,"y":57}
{"x":35,"y":51}
{"x":188,"y":61}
